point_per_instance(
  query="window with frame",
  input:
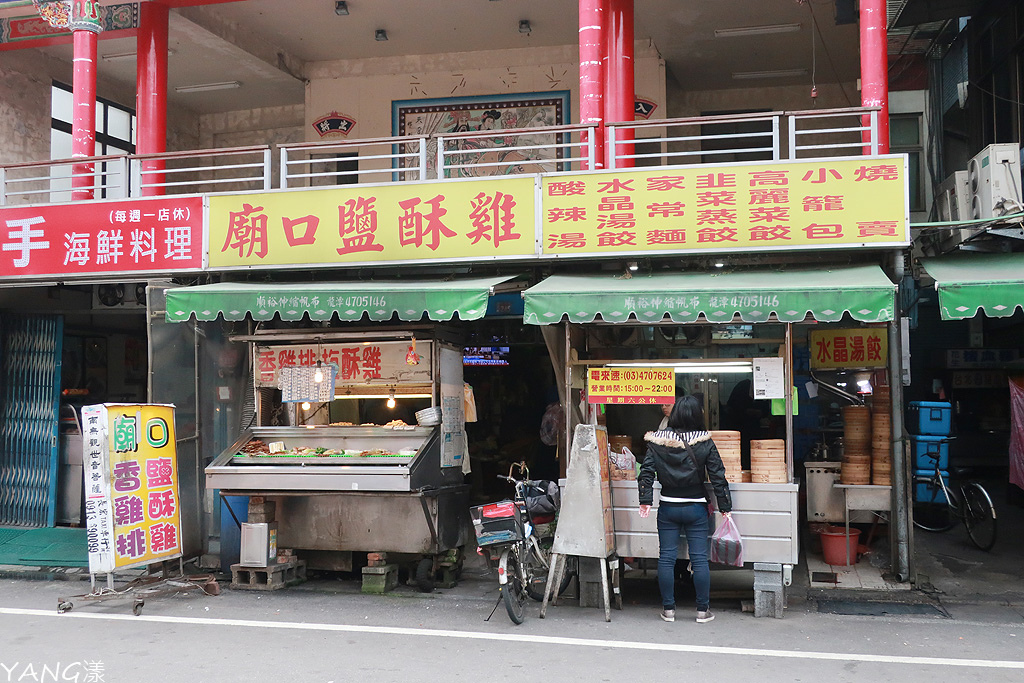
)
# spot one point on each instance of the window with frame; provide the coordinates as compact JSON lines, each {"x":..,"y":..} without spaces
{"x":115,"y":134}
{"x":905,"y":138}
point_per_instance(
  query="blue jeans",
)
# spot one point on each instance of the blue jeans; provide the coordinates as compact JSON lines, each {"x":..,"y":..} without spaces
{"x":675,"y":519}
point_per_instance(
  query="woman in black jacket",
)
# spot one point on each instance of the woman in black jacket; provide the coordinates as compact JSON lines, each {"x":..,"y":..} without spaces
{"x":681,"y":456}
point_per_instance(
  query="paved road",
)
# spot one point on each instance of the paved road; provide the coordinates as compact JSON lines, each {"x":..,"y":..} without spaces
{"x":326,"y":631}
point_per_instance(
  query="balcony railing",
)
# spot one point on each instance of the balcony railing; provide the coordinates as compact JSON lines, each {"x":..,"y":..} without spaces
{"x":772,"y":136}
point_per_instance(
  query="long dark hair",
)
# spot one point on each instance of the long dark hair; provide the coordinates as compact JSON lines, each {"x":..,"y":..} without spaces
{"x":687,"y":415}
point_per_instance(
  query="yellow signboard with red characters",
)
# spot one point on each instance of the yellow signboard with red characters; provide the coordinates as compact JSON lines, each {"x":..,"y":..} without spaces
{"x":865,"y":347}
{"x":405,"y":222}
{"x":131,"y":485}
{"x":817,"y":204}
{"x":631,"y":385}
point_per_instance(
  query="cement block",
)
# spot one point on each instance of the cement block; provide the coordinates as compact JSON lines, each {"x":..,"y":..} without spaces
{"x":380,"y":579}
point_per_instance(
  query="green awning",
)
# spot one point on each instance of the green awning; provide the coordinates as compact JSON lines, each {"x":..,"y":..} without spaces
{"x":824,"y":293}
{"x":967,"y":282}
{"x":349,"y":301}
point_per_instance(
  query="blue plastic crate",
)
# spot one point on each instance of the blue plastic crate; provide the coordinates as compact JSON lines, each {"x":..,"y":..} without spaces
{"x":929,"y":417}
{"x":926,"y":448}
{"x":926,"y":494}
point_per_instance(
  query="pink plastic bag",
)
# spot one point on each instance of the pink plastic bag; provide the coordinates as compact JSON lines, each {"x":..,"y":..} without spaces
{"x":726,"y":544}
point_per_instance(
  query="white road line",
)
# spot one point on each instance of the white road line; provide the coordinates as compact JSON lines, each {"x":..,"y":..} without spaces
{"x":530,"y":638}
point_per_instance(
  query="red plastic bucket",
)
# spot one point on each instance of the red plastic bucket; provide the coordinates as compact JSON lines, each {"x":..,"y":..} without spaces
{"x":834,"y":544}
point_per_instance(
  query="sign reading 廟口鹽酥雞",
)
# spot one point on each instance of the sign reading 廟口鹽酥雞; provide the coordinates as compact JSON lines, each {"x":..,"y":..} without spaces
{"x":383,"y":363}
{"x":131,"y":485}
{"x":639,"y":385}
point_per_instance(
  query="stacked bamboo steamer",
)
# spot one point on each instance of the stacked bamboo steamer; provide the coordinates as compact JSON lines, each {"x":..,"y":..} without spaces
{"x":856,"y":467}
{"x":881,"y":437}
{"x":728,"y":445}
{"x":768,"y":461}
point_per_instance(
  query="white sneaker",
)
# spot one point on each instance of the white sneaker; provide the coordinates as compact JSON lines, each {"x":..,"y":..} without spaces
{"x":705,"y":616}
{"x":668,"y":614}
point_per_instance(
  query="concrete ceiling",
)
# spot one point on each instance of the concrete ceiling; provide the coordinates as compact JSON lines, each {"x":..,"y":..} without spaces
{"x":264,"y":44}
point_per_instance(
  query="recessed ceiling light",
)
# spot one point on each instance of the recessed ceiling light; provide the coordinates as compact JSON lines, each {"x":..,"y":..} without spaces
{"x":203,"y":87}
{"x":741,"y":31}
{"x":341,"y":7}
{"x":380,"y":34}
{"x":524,"y":26}
{"x":778,"y":73}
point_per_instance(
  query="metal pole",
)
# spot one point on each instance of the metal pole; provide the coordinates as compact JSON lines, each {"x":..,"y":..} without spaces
{"x":787,"y":365}
{"x":903,"y":568}
{"x":874,"y":67}
{"x":591,"y":45}
{"x":85,"y":28}
{"x":151,"y":85}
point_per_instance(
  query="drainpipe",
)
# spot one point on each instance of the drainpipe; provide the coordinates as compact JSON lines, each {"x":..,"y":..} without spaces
{"x":85,"y":28}
{"x":151,"y":86}
{"x":874,"y":67}
{"x":592,"y":49}
{"x":903,"y":568}
{"x":619,"y":79}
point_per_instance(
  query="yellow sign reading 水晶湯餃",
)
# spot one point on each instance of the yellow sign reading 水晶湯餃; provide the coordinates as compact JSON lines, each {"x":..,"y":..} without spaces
{"x":865,"y":347}
{"x":631,"y":385}
{"x":405,"y":222}
{"x":813,"y":204}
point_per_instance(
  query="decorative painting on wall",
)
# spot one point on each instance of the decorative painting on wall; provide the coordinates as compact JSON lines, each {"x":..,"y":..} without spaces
{"x":496,"y":112}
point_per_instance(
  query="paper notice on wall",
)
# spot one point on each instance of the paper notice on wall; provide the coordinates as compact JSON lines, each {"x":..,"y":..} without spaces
{"x":769,"y":378}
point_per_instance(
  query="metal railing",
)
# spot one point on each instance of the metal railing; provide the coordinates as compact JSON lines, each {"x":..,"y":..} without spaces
{"x":52,"y":181}
{"x":548,"y":149}
{"x":737,"y":137}
{"x":346,"y":162}
{"x":700,"y":139}
{"x":208,"y":170}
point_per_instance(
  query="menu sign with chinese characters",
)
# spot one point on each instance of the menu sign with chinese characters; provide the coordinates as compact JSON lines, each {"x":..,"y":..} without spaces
{"x":131,"y":485}
{"x":631,"y":385}
{"x":385,"y":223}
{"x":382,"y":363}
{"x":866,"y":347}
{"x":130,"y":236}
{"x":773,"y":205}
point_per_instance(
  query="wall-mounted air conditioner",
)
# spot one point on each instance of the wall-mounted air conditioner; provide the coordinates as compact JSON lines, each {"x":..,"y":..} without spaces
{"x":121,"y":295}
{"x":953,"y":198}
{"x":994,"y":177}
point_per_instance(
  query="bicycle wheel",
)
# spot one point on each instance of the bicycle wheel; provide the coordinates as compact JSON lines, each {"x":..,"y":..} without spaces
{"x":932,"y":510}
{"x":979,"y":515}
{"x":513,"y":592}
{"x":538,"y":567}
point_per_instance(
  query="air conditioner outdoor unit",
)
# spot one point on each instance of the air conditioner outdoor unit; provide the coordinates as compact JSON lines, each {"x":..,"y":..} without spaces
{"x":126,"y":295}
{"x":953,"y":203}
{"x":994,"y":177}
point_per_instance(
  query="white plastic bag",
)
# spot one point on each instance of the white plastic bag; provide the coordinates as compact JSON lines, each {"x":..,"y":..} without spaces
{"x":726,"y":544}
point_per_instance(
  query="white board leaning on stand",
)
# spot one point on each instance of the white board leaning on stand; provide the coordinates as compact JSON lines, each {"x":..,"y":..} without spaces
{"x":585,"y":524}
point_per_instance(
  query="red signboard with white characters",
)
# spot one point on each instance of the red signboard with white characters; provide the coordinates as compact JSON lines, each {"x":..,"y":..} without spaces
{"x":129,"y":236}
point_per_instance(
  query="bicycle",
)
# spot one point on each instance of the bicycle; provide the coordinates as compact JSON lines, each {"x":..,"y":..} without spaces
{"x":938,"y":507}
{"x":507,"y":533}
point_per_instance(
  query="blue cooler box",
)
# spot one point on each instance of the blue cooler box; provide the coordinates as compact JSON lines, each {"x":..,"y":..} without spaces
{"x":925,"y":449}
{"x":926,"y":494}
{"x":929,"y":417}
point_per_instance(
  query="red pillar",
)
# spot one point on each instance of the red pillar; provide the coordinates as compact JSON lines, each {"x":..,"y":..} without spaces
{"x":592,"y":17}
{"x":85,"y":29}
{"x":619,"y":76}
{"x":151,"y":86}
{"x":874,"y":66}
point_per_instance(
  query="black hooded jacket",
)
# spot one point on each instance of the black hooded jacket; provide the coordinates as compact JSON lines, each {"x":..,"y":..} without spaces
{"x":667,"y":457}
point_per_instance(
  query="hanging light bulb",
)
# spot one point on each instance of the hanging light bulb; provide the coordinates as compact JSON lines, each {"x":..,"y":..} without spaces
{"x":318,"y":376}
{"x":391,"y":399}
{"x":305,"y":405}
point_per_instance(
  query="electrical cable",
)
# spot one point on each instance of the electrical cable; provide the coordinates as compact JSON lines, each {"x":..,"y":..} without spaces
{"x":828,"y":54}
